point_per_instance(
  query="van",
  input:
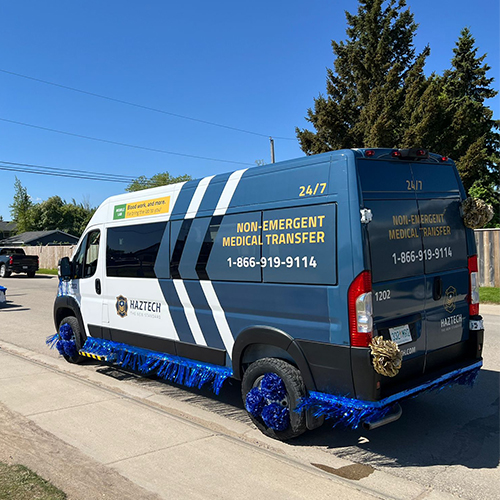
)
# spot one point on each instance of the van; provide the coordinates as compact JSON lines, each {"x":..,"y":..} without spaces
{"x":281,"y":276}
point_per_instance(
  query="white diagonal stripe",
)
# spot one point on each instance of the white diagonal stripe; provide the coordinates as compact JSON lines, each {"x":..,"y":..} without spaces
{"x":170,"y":330}
{"x":189,"y":312}
{"x":219,"y":316}
{"x":198,"y":197}
{"x":228,"y":192}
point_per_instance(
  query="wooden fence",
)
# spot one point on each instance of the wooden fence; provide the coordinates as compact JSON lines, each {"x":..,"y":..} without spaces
{"x":488,"y":253}
{"x":49,"y":255}
{"x":487,"y":241}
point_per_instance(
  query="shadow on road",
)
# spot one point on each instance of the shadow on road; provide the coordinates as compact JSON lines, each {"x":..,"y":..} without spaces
{"x":455,"y":426}
{"x":25,"y":277}
{"x":9,"y":306}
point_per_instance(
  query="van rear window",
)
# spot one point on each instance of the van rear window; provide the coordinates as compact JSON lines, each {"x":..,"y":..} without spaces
{"x":417,"y":227}
{"x":395,"y":242}
{"x":443,"y":234}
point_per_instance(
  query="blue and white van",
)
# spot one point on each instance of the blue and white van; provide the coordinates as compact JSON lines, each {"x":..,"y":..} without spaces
{"x":280,"y":276}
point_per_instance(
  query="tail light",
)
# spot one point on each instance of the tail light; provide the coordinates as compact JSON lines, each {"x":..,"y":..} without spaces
{"x":360,"y":310}
{"x":11,"y":261}
{"x":473,"y":286}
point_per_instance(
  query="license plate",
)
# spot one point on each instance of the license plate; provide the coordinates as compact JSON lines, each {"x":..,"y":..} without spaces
{"x":25,"y":267}
{"x":400,"y":334}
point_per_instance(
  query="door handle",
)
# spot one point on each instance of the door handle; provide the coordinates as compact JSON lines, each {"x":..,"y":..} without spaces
{"x":98,"y":286}
{"x":437,"y":289}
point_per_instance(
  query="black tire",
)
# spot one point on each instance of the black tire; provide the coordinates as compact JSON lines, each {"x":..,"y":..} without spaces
{"x":79,"y":337}
{"x":295,"y":390}
{"x":31,"y":274}
{"x":3,"y":271}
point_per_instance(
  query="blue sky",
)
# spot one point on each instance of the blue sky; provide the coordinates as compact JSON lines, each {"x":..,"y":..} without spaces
{"x":255,"y":66}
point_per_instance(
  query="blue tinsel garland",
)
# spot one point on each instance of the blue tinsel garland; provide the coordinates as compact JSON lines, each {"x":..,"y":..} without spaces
{"x":166,"y":366}
{"x":63,"y":341}
{"x":352,"y":412}
{"x":264,"y":401}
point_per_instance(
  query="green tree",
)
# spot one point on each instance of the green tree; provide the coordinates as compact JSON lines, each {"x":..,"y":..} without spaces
{"x":55,"y":213}
{"x":365,"y":91}
{"x":76,"y":216}
{"x":471,"y":137}
{"x":161,"y":179}
{"x":20,"y":209}
{"x":377,"y":95}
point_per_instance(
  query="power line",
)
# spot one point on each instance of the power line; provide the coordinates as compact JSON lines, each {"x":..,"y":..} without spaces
{"x":34,"y":169}
{"x":123,"y":143}
{"x":156,"y":110}
{"x":57,"y":169}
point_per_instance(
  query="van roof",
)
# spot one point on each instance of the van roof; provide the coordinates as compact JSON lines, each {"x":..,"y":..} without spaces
{"x":173,"y":190}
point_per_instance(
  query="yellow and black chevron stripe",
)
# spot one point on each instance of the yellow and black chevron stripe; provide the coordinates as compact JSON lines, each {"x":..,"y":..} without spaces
{"x":93,"y":356}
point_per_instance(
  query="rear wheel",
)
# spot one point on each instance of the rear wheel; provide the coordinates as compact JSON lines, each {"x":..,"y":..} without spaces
{"x":31,"y":274}
{"x":71,"y":334}
{"x":3,"y":271}
{"x":271,"y":389}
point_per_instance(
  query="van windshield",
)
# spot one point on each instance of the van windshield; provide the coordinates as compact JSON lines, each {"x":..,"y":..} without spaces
{"x":417,"y":227}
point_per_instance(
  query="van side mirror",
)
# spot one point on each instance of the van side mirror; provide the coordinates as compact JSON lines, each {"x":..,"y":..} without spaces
{"x":65,"y":269}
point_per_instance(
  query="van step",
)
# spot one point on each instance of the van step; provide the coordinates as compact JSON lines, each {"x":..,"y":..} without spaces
{"x":93,"y":356}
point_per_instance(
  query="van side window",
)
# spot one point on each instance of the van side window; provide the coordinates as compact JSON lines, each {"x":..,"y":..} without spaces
{"x":132,"y":250}
{"x":299,"y":245}
{"x":91,"y":253}
{"x":231,"y":250}
{"x":79,"y":259}
{"x":85,"y":260}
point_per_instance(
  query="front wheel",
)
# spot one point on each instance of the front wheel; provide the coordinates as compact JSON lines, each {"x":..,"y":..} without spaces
{"x":3,"y":271}
{"x":72,"y":339}
{"x":271,"y":389}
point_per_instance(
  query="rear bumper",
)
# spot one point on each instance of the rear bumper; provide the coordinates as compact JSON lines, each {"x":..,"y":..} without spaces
{"x":349,"y":370}
{"x":354,"y":412}
{"x":17,"y":268}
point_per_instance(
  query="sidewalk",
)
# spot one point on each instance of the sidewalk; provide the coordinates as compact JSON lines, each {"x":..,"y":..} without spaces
{"x":116,"y":441}
{"x":95,"y":443}
{"x":489,"y":309}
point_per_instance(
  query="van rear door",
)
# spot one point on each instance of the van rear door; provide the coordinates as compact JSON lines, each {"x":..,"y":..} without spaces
{"x":444,"y":241}
{"x":396,"y":261}
{"x":418,"y":259}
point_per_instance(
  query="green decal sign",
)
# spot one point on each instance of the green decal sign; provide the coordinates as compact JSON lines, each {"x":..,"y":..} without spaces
{"x":120,"y":211}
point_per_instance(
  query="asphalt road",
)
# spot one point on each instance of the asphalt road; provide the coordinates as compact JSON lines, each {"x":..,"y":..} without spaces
{"x":448,"y":440}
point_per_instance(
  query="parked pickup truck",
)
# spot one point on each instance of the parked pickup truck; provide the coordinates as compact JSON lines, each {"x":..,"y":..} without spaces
{"x":14,"y":260}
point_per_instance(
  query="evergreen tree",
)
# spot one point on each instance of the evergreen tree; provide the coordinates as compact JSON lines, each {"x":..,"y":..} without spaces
{"x":365,"y":94}
{"x":471,"y":134}
{"x":161,"y":179}
{"x":20,"y":209}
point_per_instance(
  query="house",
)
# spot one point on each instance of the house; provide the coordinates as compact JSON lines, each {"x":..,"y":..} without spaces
{"x":7,"y":229}
{"x":35,"y":238}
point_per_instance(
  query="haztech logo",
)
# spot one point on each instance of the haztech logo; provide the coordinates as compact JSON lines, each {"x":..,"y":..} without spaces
{"x":145,"y":308}
{"x":145,"y":305}
{"x":450,"y":296}
{"x":451,"y":322}
{"x":121,"y":306}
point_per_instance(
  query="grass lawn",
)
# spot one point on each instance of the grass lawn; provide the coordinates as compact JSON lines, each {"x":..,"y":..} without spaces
{"x":489,"y":295}
{"x":20,"y":483}
{"x":47,"y":271}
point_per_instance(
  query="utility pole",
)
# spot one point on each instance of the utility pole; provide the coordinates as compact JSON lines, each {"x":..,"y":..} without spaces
{"x":271,"y":140}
